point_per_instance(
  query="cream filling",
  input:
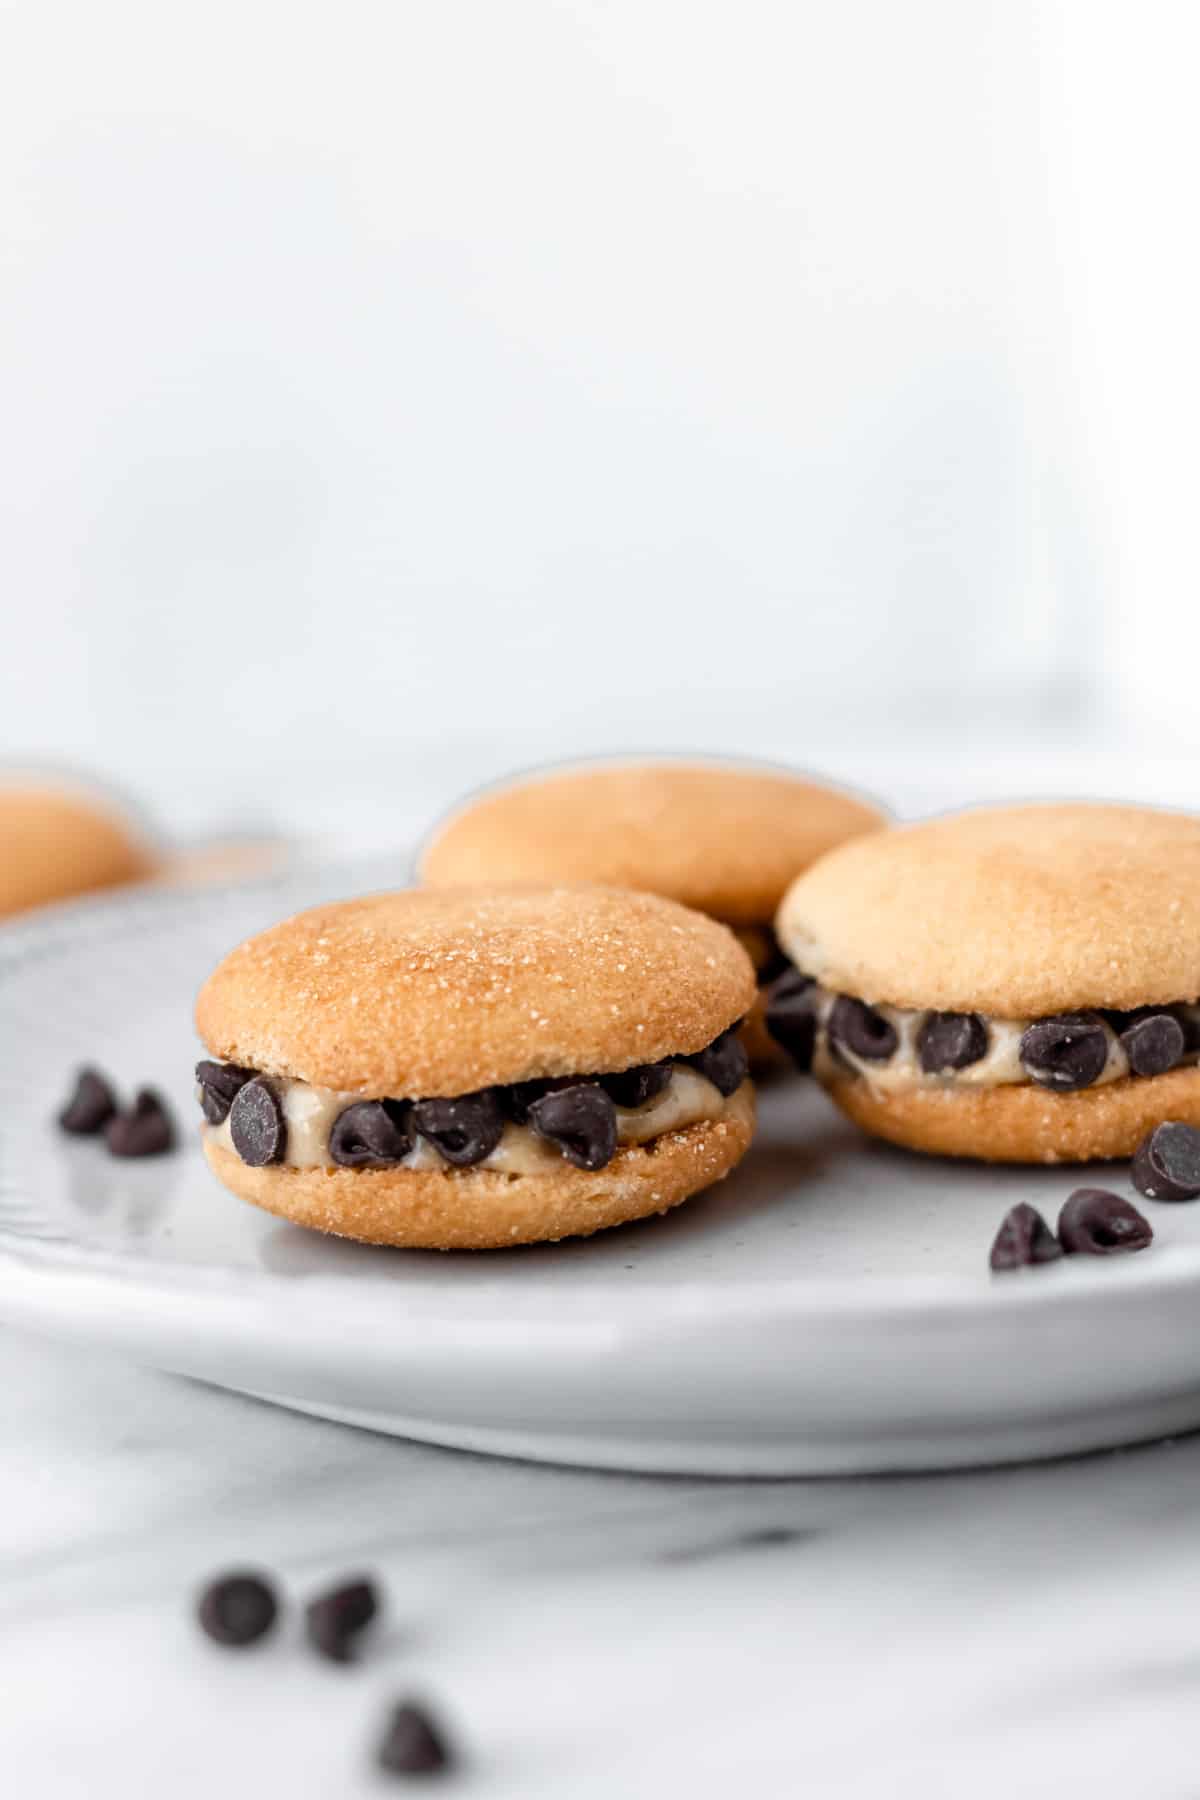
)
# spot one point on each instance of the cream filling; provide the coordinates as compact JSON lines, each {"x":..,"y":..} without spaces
{"x":689,"y":1098}
{"x":999,"y":1066}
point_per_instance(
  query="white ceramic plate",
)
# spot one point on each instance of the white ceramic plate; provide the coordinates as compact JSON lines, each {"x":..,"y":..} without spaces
{"x":827,"y":1309}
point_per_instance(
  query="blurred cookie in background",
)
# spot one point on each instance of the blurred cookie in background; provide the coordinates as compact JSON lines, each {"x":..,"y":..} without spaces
{"x":58,"y":840}
{"x":724,"y":837}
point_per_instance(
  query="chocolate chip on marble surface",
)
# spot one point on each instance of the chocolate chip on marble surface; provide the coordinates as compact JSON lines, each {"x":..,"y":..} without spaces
{"x":634,"y":1087}
{"x":1066,"y":1052}
{"x":220,"y":1084}
{"x":145,"y":1130}
{"x":238,"y":1609}
{"x":257,"y":1125}
{"x":723,"y":1062}
{"x":1166,"y":1164}
{"x":951,"y":1040}
{"x":413,"y":1744}
{"x":1094,"y":1222}
{"x":464,"y":1130}
{"x":90,"y":1107}
{"x":371,"y":1134}
{"x":334,"y":1621}
{"x":1024,"y":1239}
{"x":1153,"y":1041}
{"x":581,"y":1121}
{"x":792,"y":1016}
{"x":855,"y":1026}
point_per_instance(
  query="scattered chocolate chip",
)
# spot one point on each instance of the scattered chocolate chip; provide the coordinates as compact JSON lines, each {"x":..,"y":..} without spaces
{"x":1094,"y":1222}
{"x":723,"y":1062}
{"x":237,"y":1609}
{"x":257,"y":1125}
{"x":145,"y":1130}
{"x":90,"y":1107}
{"x":220,"y":1084}
{"x":371,"y":1134}
{"x":1066,"y":1052}
{"x":1024,"y":1238}
{"x":581,"y":1121}
{"x":1166,"y":1164}
{"x":413,"y":1743}
{"x":792,"y":1016}
{"x":1153,"y":1042}
{"x":465,"y":1130}
{"x":334,"y":1621}
{"x":855,"y":1026}
{"x":950,"y":1040}
{"x":634,"y":1087}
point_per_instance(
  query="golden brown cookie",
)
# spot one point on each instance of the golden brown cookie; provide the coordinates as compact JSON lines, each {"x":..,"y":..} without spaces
{"x":476,"y":1067}
{"x":56,"y":842}
{"x":1016,"y":983}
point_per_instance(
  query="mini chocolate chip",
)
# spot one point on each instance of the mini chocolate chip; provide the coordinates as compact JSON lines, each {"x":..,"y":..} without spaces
{"x":1153,"y":1042}
{"x":1094,"y":1222}
{"x":950,"y":1040}
{"x":723,"y":1062}
{"x":220,"y":1084}
{"x":792,"y":1016}
{"x":634,"y":1087}
{"x":1024,"y":1238}
{"x":145,"y":1130}
{"x":1066,"y":1052}
{"x":333,"y":1621}
{"x":1166,"y":1164}
{"x":371,"y":1134}
{"x":257,"y":1125}
{"x":90,"y":1107}
{"x":855,"y":1026}
{"x":581,"y":1121}
{"x":413,"y":1744}
{"x":464,"y":1130}
{"x":238,"y":1609}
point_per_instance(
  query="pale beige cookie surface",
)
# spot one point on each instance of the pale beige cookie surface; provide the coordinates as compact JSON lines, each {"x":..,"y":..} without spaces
{"x":479,"y":1209}
{"x":59,"y":842}
{"x":442,"y":992}
{"x":722,"y":837}
{"x":1014,"y":912}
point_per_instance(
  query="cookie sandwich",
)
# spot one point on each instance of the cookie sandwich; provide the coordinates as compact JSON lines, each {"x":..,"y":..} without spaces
{"x":723,"y":837}
{"x":1012,"y":984}
{"x":477,"y":1068}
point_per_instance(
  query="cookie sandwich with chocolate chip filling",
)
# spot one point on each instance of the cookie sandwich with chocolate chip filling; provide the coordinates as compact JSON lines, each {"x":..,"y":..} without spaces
{"x":723,"y":837}
{"x":478,"y":1067}
{"x":1011,"y":984}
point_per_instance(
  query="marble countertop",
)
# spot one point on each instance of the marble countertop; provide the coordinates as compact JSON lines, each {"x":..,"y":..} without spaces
{"x":1016,"y":1631}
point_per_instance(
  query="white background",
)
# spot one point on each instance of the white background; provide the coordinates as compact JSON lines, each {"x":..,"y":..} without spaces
{"x":394,"y":387}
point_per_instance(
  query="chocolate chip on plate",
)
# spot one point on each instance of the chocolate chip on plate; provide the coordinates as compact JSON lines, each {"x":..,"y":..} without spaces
{"x":1094,"y":1222}
{"x":1024,"y":1238}
{"x":792,"y":1016}
{"x":1166,"y":1164}
{"x":371,"y":1134}
{"x":238,"y":1609}
{"x":220,"y":1084}
{"x":1153,"y":1042}
{"x":723,"y":1062}
{"x":90,"y":1107}
{"x":464,"y":1130}
{"x":257,"y":1125}
{"x":334,"y":1621}
{"x":145,"y":1130}
{"x":855,"y":1026}
{"x":413,"y":1743}
{"x":581,"y":1121}
{"x":1066,"y":1052}
{"x":634,"y":1087}
{"x":951,"y":1040}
